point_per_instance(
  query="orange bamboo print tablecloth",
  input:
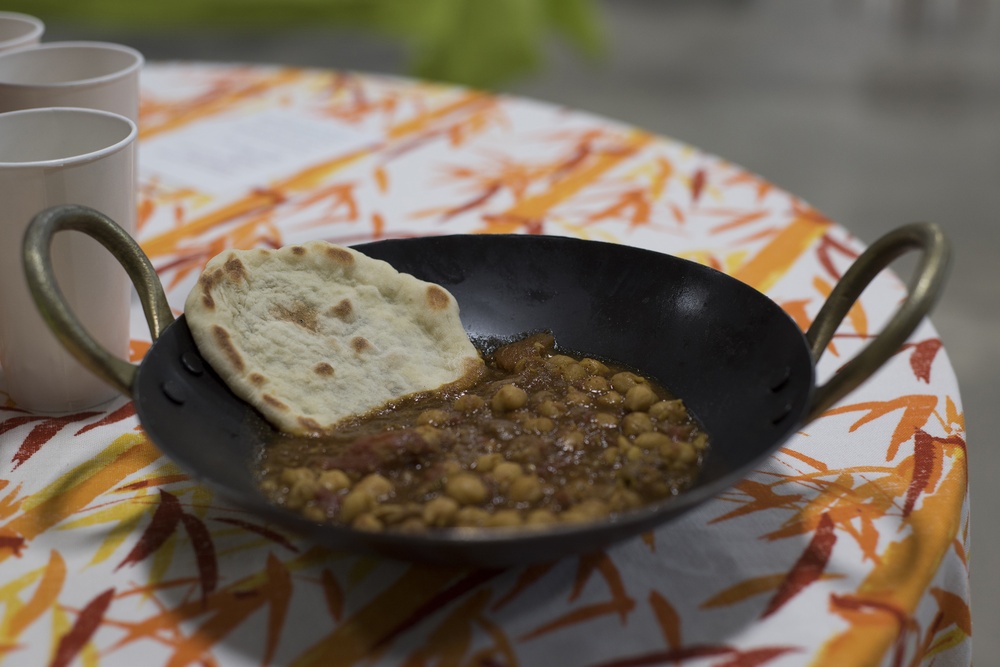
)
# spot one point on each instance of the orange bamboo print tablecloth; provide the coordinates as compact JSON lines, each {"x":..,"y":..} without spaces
{"x":848,"y":547}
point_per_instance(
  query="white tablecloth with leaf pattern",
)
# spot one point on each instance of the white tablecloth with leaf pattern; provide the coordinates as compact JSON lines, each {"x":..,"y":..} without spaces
{"x":848,"y":547}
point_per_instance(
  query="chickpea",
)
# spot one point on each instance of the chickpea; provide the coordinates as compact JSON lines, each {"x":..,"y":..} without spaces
{"x":573,"y":372}
{"x":302,"y":492}
{"x":451,"y":467}
{"x":471,"y":516}
{"x":551,"y":408}
{"x":367,"y":521}
{"x":684,"y":453}
{"x":412,"y":525}
{"x":668,"y":452}
{"x":525,"y":489}
{"x":521,"y":416}
{"x":577,"y":489}
{"x":540,"y":397}
{"x":596,"y":384}
{"x":334,"y":480}
{"x":539,"y":424}
{"x":594,"y":367}
{"x":525,"y":448}
{"x":574,"y":515}
{"x":509,"y":397}
{"x":355,"y":504}
{"x":610,"y":455}
{"x":576,"y":397}
{"x":635,"y":423}
{"x":523,"y":363}
{"x":269,"y":486}
{"x":290,"y":476}
{"x":430,"y":434}
{"x":652,"y":440}
{"x":593,"y":508}
{"x":633,"y":453}
{"x":506,"y":472}
{"x":487,"y":462}
{"x":314,"y":513}
{"x":610,"y":400}
{"x":434,"y":417}
{"x":375,"y":485}
{"x":700,"y":441}
{"x":670,"y":411}
{"x":624,"y":381}
{"x":504,"y":519}
{"x":559,"y":360}
{"x":639,"y":398}
{"x":468,"y":403}
{"x":659,"y":489}
{"x":389,"y":513}
{"x":571,"y":441}
{"x":466,"y":488}
{"x":497,"y":431}
{"x":541,"y":517}
{"x":624,"y":499}
{"x":606,"y":420}
{"x":440,"y":511}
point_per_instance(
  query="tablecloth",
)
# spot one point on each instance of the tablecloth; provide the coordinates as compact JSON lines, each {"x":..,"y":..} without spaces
{"x":849,"y":546}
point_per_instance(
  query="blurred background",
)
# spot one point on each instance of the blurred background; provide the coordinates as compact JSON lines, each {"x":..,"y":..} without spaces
{"x":877,"y":112}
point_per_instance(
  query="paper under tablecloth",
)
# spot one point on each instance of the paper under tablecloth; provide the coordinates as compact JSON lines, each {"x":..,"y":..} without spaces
{"x":848,"y":547}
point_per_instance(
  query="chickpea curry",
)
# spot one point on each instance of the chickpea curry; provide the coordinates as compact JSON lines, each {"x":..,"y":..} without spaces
{"x":543,"y":438}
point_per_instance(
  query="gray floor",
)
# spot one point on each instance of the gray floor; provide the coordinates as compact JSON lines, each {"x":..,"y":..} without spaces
{"x":876,"y":112}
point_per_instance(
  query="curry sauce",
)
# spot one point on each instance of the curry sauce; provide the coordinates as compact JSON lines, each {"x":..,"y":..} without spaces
{"x":543,"y":438}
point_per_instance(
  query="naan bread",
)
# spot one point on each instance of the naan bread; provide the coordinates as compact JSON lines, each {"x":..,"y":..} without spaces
{"x":315,"y":333}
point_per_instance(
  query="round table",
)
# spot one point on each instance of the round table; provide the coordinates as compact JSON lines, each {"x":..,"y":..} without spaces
{"x":848,"y":547}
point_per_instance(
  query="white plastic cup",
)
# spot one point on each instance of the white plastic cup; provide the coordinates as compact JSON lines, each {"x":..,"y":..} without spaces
{"x":93,"y":75}
{"x":50,"y":157}
{"x":17,"y":30}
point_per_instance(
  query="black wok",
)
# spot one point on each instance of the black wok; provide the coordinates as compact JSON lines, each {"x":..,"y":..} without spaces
{"x":740,"y":363}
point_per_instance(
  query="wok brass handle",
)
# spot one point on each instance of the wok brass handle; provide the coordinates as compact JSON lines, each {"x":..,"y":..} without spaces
{"x":52,"y":304}
{"x":925,"y":287}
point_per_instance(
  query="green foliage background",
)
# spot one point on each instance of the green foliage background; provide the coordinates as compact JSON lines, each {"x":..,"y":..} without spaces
{"x":479,"y":43}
